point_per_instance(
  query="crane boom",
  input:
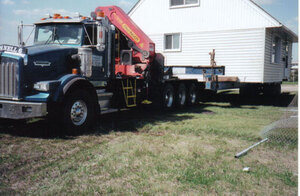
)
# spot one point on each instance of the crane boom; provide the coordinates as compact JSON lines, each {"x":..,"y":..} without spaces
{"x":140,"y":41}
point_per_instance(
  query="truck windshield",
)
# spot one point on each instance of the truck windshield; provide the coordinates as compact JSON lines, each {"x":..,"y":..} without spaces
{"x":64,"y":34}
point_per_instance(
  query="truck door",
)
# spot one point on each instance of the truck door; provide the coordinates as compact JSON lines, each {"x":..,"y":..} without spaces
{"x":100,"y":65}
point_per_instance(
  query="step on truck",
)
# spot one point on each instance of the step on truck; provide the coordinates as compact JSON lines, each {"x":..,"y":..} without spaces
{"x":79,"y":67}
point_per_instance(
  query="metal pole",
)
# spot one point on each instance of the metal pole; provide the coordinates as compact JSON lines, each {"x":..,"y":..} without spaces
{"x":244,"y":152}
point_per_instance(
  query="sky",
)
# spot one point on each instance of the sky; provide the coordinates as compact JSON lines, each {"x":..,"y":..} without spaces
{"x":12,"y":12}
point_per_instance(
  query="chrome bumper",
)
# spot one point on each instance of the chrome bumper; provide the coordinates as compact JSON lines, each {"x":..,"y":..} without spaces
{"x":22,"y":110}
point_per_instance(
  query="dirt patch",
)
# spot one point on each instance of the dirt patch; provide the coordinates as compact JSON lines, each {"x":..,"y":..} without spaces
{"x":289,"y":88}
{"x":208,"y":113}
{"x":277,"y":160}
{"x":294,"y":102}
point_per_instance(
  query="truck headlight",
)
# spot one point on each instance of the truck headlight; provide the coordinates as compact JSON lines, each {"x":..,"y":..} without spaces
{"x":46,"y":86}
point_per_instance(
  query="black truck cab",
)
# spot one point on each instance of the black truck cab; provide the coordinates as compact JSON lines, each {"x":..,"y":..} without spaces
{"x":69,"y":57}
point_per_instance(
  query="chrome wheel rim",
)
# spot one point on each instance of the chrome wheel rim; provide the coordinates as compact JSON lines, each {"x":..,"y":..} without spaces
{"x":182,"y":97}
{"x":193,"y":97}
{"x":169,"y":99}
{"x":78,"y":113}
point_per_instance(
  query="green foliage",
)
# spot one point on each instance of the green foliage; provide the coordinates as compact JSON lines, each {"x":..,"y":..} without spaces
{"x":288,"y":178}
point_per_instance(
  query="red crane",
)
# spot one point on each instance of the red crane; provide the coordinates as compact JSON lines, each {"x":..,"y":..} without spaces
{"x":143,"y":46}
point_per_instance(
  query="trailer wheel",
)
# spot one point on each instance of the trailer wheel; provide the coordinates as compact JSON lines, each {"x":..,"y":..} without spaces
{"x":168,"y":96}
{"x":181,"y":95}
{"x":249,"y":91}
{"x":192,"y":94}
{"x":278,"y":89}
{"x":272,"y":89}
{"x":79,"y":112}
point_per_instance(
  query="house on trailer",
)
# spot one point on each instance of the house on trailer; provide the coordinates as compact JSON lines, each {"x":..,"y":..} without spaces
{"x":249,"y":42}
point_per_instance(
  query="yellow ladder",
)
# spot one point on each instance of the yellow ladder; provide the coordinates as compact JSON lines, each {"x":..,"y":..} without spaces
{"x":129,"y":93}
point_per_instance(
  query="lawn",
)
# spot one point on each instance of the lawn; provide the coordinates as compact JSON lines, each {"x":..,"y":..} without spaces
{"x":290,"y":83}
{"x":137,"y":152}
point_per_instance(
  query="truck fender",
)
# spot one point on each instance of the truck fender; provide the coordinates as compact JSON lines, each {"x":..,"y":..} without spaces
{"x":68,"y":83}
{"x":62,"y":98}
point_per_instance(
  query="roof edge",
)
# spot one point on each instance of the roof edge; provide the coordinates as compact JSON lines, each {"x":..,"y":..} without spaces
{"x":280,"y":24}
{"x":286,"y":30}
{"x":262,"y":9}
{"x":294,"y":35}
{"x":138,"y":2}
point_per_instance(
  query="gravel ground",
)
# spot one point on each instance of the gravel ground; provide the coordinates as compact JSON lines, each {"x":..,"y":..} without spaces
{"x":289,"y":88}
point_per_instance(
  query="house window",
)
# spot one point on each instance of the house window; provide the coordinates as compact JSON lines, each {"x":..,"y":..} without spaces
{"x":183,"y":3}
{"x":172,"y":42}
{"x":286,"y":48}
{"x":276,"y":50}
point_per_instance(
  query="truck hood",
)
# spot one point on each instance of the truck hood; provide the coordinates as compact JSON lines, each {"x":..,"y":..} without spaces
{"x":47,"y":62}
{"x":41,"y":63}
{"x":41,"y":49}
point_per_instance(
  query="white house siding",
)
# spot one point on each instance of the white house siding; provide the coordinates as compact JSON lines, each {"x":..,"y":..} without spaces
{"x":156,"y":16}
{"x":274,"y":72}
{"x":235,"y":28}
{"x":240,"y":51}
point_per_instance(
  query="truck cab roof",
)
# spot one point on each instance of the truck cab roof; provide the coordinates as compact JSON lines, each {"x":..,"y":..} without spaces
{"x":65,"y":19}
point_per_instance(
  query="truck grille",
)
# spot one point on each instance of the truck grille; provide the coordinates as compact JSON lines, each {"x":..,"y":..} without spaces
{"x":9,"y":78}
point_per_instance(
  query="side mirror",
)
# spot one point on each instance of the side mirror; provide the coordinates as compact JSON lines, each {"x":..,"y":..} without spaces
{"x":20,"y":35}
{"x":101,"y":38}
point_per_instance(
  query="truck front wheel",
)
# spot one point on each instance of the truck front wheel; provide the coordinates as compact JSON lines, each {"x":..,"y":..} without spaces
{"x":79,"y":111}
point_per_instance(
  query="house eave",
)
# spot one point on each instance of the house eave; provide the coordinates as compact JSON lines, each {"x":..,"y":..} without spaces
{"x":290,"y":34}
{"x":293,"y":35}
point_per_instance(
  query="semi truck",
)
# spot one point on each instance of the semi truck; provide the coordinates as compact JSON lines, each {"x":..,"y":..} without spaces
{"x":79,"y":67}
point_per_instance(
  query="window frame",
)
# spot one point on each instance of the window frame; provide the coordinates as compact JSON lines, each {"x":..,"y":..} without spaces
{"x":92,"y":37}
{"x":278,"y":52}
{"x":55,"y":26}
{"x":184,"y":5}
{"x":173,"y":49}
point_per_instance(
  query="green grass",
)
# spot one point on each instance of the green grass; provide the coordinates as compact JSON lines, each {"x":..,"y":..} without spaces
{"x":291,"y":83}
{"x":185,"y":152}
{"x":288,"y":178}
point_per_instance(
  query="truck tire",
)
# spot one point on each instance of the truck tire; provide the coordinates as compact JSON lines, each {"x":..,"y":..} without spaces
{"x":271,"y":90}
{"x":181,"y":96}
{"x":168,"y":96}
{"x":192,"y":95}
{"x":277,"y":89}
{"x":79,"y":112}
{"x":249,"y":91}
